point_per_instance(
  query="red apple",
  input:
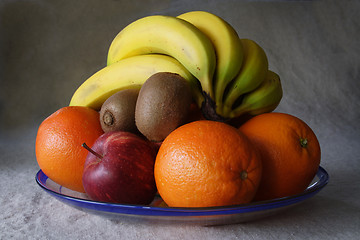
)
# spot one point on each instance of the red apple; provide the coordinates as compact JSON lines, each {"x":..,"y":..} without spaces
{"x":119,"y":168}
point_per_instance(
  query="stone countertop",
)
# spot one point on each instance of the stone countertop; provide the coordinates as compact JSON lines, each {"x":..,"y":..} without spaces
{"x":48,"y":48}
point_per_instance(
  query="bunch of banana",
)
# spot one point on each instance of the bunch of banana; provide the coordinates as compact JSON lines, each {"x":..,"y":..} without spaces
{"x":229,"y":76}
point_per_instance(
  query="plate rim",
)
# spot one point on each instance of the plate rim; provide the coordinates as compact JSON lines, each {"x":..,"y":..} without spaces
{"x":141,"y":210}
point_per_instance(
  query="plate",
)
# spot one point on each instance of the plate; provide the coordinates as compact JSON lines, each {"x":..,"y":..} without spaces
{"x":157,"y":212}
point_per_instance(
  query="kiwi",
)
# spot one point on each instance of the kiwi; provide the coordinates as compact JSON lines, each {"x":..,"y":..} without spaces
{"x":163,"y":105}
{"x":118,"y":111}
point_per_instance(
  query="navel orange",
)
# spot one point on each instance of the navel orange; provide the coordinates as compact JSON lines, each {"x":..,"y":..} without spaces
{"x":58,"y":144}
{"x":206,"y":163}
{"x":290,"y":153}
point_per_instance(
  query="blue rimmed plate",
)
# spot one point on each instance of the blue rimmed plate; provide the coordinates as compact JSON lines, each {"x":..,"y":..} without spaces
{"x":156,"y":212}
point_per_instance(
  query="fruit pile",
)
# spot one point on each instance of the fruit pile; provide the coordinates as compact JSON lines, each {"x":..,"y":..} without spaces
{"x":183,"y":108}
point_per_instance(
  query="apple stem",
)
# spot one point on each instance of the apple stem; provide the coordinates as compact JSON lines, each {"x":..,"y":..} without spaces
{"x":92,"y":151}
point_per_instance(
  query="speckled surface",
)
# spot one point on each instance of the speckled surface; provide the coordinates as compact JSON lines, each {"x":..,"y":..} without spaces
{"x":47,"y":48}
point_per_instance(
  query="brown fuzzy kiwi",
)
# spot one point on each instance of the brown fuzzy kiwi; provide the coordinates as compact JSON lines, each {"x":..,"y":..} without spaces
{"x":163,"y":105}
{"x":118,"y":111}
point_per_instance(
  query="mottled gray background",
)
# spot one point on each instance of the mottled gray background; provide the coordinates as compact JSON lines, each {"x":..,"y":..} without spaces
{"x":48,"y":48}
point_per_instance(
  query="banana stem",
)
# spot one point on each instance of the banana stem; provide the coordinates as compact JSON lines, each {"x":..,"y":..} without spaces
{"x":209,"y":109}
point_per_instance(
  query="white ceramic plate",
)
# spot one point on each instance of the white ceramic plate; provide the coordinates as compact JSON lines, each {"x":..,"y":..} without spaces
{"x":202,"y":216}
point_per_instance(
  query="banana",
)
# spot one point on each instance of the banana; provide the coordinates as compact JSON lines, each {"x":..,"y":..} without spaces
{"x":227,"y":44}
{"x":171,"y":36}
{"x":251,"y":75}
{"x":264,"y":98}
{"x":129,"y":73}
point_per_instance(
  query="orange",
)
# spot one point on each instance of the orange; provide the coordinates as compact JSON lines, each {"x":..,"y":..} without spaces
{"x":58,"y":144}
{"x":206,"y":163}
{"x":289,"y":150}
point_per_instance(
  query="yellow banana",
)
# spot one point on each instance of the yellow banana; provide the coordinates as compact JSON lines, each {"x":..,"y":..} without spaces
{"x":251,"y":75}
{"x":227,"y":44}
{"x":129,"y":73}
{"x":171,"y":36}
{"x":263,"y":99}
